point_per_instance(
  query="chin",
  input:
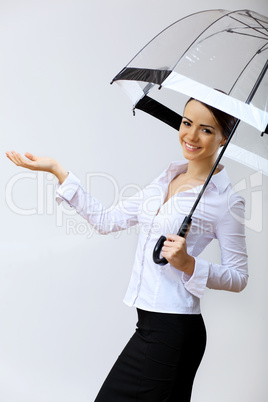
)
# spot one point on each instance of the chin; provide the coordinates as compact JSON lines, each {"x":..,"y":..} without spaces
{"x":190,"y":156}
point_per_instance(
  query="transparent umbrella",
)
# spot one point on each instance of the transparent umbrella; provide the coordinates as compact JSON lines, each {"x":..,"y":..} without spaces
{"x":197,"y":56}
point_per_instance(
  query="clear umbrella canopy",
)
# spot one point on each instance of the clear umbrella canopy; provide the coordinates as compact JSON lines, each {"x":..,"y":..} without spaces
{"x":209,"y":50}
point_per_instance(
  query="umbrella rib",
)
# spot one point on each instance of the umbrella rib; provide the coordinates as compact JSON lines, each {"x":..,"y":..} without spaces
{"x":237,"y":28}
{"x":259,"y":51}
{"x":210,"y":36}
{"x":196,"y":39}
{"x":229,"y":31}
{"x":265,"y":29}
{"x":250,"y":35}
{"x":162,"y":31}
{"x":243,"y":23}
{"x":258,"y":22}
{"x":230,"y":15}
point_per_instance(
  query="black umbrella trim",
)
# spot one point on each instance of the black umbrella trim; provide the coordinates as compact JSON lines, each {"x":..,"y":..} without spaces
{"x":142,"y":74}
{"x":161,"y":112}
{"x":265,"y":131}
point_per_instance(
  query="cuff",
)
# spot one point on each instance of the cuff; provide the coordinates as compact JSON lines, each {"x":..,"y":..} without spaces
{"x":196,"y":284}
{"x":67,"y":189}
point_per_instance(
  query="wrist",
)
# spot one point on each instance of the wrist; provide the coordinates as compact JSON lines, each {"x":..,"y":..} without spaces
{"x":189,"y":266}
{"x":59,"y":172}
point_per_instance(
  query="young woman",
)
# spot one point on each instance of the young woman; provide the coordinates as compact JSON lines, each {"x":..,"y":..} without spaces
{"x":161,"y":359}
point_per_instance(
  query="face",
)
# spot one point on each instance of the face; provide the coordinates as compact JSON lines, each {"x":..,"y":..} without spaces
{"x":200,"y":135}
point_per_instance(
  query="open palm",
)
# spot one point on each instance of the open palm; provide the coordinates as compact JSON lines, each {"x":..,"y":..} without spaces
{"x":32,"y":162}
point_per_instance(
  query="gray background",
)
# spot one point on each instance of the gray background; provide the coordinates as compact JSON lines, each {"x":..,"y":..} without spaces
{"x":62,"y":320}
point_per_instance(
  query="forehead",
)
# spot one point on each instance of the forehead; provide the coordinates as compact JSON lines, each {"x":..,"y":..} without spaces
{"x":199,"y":113}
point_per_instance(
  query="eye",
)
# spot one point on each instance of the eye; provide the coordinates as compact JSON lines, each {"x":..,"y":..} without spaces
{"x":206,"y":130}
{"x":186,"y":123}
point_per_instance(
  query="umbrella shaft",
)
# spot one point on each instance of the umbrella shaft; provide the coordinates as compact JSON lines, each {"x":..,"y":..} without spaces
{"x":257,"y":83}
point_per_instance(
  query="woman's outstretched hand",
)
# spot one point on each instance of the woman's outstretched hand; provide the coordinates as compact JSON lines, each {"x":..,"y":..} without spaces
{"x":32,"y":162}
{"x":40,"y":163}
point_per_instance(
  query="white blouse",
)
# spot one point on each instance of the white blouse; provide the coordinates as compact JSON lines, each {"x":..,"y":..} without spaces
{"x":219,"y":215}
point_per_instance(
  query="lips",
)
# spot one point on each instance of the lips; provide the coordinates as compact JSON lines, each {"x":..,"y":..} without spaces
{"x":190,"y":147}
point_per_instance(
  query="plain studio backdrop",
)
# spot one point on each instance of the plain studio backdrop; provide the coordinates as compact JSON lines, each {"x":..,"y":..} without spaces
{"x":62,"y":320}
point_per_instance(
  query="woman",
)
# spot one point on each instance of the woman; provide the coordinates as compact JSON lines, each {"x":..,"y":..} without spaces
{"x":161,"y":359}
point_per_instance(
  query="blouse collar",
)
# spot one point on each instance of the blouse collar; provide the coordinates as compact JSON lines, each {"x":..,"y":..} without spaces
{"x":220,"y":181}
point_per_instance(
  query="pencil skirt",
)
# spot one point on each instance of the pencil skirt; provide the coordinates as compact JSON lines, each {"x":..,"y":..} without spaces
{"x":159,"y":362}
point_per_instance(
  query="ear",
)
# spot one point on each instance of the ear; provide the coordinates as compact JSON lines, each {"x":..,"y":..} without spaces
{"x":223,"y":141}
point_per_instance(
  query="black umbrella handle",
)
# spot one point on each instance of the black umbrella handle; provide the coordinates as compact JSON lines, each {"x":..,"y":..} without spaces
{"x":158,"y":247}
{"x":157,"y":251}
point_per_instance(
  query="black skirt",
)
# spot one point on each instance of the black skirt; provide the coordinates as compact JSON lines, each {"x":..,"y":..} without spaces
{"x":159,"y":362}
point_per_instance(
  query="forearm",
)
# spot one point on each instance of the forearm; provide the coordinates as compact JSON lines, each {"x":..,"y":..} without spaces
{"x":104,"y":220}
{"x":215,"y":276}
{"x":233,"y":279}
{"x":189,"y":266}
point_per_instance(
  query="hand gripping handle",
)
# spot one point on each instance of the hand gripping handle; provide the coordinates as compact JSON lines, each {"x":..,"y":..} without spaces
{"x":158,"y":247}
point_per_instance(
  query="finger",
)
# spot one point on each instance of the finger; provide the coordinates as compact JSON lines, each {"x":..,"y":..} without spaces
{"x":8,"y":154}
{"x":24,"y":162}
{"x":20,"y":161}
{"x":167,"y":252}
{"x":173,"y":237}
{"x":165,"y":255}
{"x":168,"y":243}
{"x":17,"y":157}
{"x":30,"y":156}
{"x":12,"y":156}
{"x":172,"y":246}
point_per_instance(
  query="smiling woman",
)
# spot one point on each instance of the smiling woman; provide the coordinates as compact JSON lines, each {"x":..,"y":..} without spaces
{"x":160,"y":361}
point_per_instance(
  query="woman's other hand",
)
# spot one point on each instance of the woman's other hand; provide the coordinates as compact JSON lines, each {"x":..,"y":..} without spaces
{"x":40,"y":163}
{"x":175,"y":251}
{"x":32,"y":162}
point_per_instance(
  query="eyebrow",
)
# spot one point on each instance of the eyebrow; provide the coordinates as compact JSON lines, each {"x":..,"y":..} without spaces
{"x":201,"y":125}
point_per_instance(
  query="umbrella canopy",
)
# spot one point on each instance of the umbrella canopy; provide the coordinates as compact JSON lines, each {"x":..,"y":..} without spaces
{"x":215,"y":49}
{"x":200,"y":56}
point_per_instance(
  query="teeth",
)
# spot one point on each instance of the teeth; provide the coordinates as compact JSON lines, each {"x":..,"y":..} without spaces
{"x":190,"y":146}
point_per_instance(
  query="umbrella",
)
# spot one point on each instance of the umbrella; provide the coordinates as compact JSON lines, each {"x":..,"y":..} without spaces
{"x":197,"y":56}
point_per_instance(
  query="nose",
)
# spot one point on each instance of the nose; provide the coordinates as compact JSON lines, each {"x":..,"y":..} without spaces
{"x":193,"y":134}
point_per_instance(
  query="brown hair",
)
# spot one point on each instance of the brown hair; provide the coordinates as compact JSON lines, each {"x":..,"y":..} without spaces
{"x":225,"y":120}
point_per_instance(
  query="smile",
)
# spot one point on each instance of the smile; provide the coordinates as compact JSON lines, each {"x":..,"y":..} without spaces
{"x":190,"y":147}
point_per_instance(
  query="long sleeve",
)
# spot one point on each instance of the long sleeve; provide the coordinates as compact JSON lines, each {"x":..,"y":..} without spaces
{"x":104,"y":220}
{"x":232,"y":273}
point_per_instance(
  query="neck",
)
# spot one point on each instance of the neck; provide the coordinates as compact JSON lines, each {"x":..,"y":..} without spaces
{"x":199,"y":170}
